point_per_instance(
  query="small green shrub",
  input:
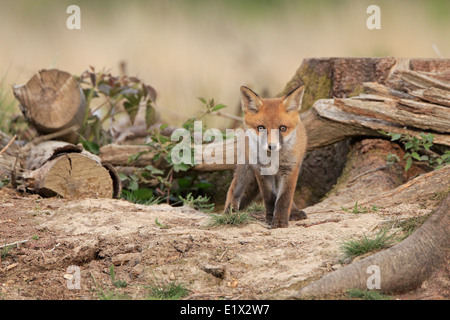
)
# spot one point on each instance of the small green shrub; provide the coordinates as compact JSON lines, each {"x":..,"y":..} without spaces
{"x":417,"y":149}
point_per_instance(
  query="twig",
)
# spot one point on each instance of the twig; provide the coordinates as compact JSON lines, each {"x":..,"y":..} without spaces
{"x":13,"y":244}
{"x":319,"y":222}
{"x":367,"y":172}
{"x":55,"y":134}
{"x":223,"y":254}
{"x":47,"y":137}
{"x":437,"y":51}
{"x":227,"y":115}
{"x":9,"y":143}
{"x":57,"y":245}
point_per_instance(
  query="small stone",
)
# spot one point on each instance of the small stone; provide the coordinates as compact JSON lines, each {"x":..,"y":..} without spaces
{"x":216,"y":271}
{"x":137,"y":270}
{"x":11,"y":266}
{"x":123,"y":258}
{"x":336,"y":266}
{"x":68,"y":276}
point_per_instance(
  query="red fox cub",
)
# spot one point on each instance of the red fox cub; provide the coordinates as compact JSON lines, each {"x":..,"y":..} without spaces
{"x":274,"y":126}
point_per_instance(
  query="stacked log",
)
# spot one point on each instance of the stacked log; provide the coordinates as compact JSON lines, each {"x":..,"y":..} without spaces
{"x":53,"y":103}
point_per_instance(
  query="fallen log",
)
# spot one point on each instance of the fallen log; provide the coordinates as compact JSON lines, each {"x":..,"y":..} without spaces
{"x":434,"y":95}
{"x":327,"y":122}
{"x":405,"y":100}
{"x":55,"y":168}
{"x":123,"y":156}
{"x":333,"y":120}
{"x":51,"y":101}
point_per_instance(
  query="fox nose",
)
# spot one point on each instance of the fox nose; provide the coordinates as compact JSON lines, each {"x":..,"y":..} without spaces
{"x":272,"y":147}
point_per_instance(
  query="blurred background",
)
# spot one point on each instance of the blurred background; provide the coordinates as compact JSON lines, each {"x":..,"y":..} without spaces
{"x":208,"y":48}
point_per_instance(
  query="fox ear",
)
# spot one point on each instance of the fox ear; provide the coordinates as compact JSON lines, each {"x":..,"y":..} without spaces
{"x":250,"y":101}
{"x":293,"y":100}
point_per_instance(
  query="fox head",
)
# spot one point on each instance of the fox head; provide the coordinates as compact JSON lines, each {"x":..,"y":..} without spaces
{"x":272,"y":121}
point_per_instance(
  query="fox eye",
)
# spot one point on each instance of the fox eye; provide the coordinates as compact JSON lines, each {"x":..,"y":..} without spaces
{"x":260,"y":128}
{"x":283,"y":128}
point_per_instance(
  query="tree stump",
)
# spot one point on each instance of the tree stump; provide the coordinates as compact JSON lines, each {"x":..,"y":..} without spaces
{"x":331,"y":116}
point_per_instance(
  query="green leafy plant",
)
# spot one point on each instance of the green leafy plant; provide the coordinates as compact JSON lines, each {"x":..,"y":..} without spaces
{"x":173,"y":189}
{"x":110,"y":96}
{"x":417,"y":149}
{"x":3,"y":181}
{"x":162,"y":146}
{"x":115,"y":95}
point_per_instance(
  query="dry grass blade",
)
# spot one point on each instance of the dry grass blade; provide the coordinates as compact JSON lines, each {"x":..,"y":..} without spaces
{"x":9,"y":144}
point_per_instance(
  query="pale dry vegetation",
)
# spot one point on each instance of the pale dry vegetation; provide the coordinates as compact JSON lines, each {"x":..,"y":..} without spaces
{"x":190,"y":49}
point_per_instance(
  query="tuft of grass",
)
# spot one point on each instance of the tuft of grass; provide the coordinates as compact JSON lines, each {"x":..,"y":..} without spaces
{"x":357,"y":247}
{"x":116,"y":283}
{"x":366,"y":295}
{"x":106,"y":294}
{"x":4,"y":180}
{"x":236,"y":218}
{"x":161,"y":225}
{"x":200,"y":203}
{"x":139,"y":197}
{"x":360,"y":209}
{"x":7,"y":104}
{"x":5,"y":252}
{"x":161,"y":290}
{"x":255,"y":207}
{"x":412,"y":224}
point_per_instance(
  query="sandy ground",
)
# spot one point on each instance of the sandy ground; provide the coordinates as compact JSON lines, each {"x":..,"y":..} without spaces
{"x":169,"y":244}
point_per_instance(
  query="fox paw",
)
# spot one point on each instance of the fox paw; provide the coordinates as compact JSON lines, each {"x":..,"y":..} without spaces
{"x":229,"y":209}
{"x":278,"y":223}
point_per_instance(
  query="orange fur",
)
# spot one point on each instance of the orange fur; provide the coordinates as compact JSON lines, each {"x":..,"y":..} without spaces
{"x":277,"y":190}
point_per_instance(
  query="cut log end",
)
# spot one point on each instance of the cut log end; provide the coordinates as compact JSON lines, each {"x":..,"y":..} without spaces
{"x":61,"y":169}
{"x":72,"y":176}
{"x":52,"y":100}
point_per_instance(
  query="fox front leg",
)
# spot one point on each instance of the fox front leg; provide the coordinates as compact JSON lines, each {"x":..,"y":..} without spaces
{"x":286,"y":188}
{"x":243,"y":189}
{"x":267,"y":189}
